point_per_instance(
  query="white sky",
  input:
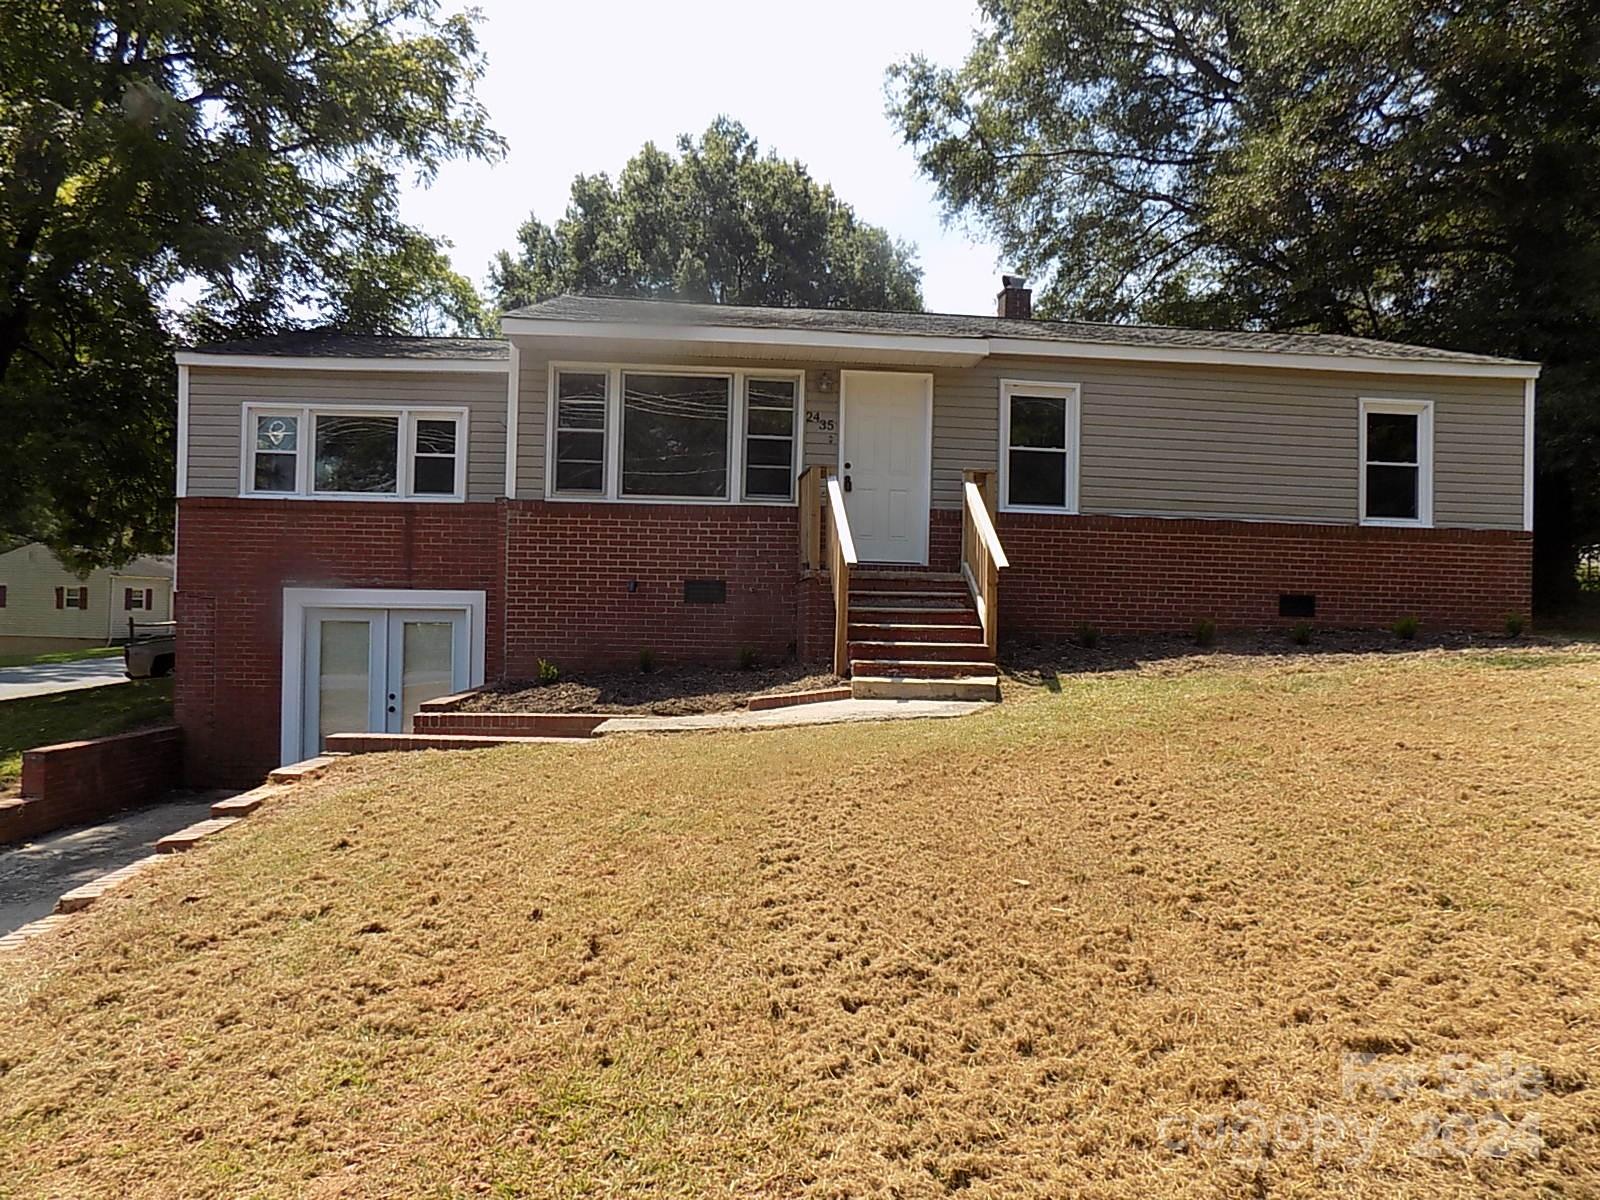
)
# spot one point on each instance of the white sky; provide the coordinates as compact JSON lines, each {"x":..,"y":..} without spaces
{"x":579,"y":87}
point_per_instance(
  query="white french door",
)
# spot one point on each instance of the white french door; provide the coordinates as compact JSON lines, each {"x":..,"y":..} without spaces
{"x":367,"y":670}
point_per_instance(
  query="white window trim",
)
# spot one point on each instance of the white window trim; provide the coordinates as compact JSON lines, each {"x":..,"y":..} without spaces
{"x":613,"y":371}
{"x":297,"y":600}
{"x":305,"y":455}
{"x":1072,"y":393}
{"x":1423,"y":411}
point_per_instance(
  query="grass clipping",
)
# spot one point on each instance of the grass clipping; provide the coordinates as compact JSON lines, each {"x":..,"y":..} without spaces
{"x":1114,"y":939}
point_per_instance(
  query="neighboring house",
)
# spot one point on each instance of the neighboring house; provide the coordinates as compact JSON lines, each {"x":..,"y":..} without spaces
{"x":364,"y":522}
{"x":41,"y":599}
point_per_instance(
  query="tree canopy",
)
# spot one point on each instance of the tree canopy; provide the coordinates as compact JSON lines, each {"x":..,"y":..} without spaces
{"x":1389,"y":168}
{"x":212,"y":168}
{"x":719,"y":222}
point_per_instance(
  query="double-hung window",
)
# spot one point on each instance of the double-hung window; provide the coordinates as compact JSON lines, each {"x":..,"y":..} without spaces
{"x":1396,"y":485}
{"x":355,"y":453}
{"x":1039,"y":446}
{"x":703,"y":435}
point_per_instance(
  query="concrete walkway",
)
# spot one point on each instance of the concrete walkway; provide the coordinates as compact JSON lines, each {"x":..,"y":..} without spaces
{"x":34,"y":874}
{"x":44,"y":679}
{"x":831,"y":712}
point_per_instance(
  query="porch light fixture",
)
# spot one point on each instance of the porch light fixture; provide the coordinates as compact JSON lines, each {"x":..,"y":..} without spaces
{"x":827,"y":382}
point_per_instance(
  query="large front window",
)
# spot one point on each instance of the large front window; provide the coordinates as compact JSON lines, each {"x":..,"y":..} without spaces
{"x":627,"y":433}
{"x":399,"y":454}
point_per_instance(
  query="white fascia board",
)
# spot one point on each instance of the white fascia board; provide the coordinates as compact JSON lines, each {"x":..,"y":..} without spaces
{"x":1527,"y":455}
{"x":1200,"y":356}
{"x":276,"y":362}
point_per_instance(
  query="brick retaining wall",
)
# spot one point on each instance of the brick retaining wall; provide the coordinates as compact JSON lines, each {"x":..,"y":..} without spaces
{"x":76,"y":782}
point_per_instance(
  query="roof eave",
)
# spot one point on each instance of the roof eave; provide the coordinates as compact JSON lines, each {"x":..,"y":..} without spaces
{"x":330,"y":362}
{"x":728,"y":340}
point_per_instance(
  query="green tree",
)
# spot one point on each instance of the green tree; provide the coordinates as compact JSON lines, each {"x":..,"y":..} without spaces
{"x":720,"y":222}
{"x":209,"y":167}
{"x":1389,"y":168}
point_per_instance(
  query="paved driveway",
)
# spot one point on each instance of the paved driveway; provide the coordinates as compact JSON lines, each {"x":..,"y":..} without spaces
{"x":45,"y":678}
{"x":34,"y":874}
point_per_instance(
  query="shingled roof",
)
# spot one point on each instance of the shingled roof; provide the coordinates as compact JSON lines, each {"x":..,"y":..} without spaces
{"x":609,"y":309}
{"x":330,"y":343}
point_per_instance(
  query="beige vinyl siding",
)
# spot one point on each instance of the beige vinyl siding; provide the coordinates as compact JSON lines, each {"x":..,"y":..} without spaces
{"x":31,"y":574}
{"x":217,"y":397}
{"x":1169,"y":440}
{"x":1258,"y":444}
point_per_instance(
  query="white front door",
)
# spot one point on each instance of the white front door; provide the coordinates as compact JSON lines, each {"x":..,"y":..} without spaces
{"x":885,"y":463}
{"x":368,"y":670}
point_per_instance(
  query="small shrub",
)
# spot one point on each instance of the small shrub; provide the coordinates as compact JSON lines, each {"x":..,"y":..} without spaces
{"x":1514,"y":625}
{"x":548,"y":671}
{"x":1205,"y":633}
{"x":1406,"y":628}
{"x":1088,"y":636}
{"x":1301,"y":634}
{"x":747,"y":658}
{"x":647,"y":661}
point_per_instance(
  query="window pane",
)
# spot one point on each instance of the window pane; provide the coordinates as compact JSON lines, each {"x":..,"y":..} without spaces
{"x":1038,"y":477}
{"x":768,"y":482}
{"x":435,"y":476}
{"x":1391,"y":437}
{"x":580,"y":401}
{"x":771,"y":404}
{"x":772,"y":421}
{"x":674,"y":435}
{"x":436,"y":437}
{"x":274,"y":473}
{"x":772,"y":393}
{"x":580,"y":462}
{"x":357,"y":454}
{"x":1392,"y":492}
{"x":1039,"y":421}
{"x":278,"y":433}
{"x":769,"y":452}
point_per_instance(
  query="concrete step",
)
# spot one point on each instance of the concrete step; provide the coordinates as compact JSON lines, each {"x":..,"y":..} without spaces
{"x":901,"y":687}
{"x":920,"y":668}
{"x":876,"y":648}
{"x":878,"y":612}
{"x":911,"y":631}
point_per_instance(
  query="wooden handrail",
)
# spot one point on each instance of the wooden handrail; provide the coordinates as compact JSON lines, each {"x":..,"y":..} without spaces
{"x":841,"y":557}
{"x":982,"y":555}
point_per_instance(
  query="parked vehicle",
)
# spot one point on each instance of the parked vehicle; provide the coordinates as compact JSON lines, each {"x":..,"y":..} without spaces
{"x":151,"y":651}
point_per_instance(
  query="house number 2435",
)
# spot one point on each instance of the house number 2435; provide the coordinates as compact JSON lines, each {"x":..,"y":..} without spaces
{"x":816,"y":419}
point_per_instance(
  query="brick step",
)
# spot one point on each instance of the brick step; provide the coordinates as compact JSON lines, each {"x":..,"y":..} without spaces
{"x":383,"y":743}
{"x":505,"y":724}
{"x":911,"y":631}
{"x":916,"y":649}
{"x":903,"y":687}
{"x":920,"y":668}
{"x":918,"y":614}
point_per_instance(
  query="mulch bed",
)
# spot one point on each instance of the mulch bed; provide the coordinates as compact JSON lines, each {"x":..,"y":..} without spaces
{"x":664,"y":692}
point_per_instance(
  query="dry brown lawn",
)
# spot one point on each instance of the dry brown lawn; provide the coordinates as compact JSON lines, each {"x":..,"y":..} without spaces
{"x":1114,"y":940}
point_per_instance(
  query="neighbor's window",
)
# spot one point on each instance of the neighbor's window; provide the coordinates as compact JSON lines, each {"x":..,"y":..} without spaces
{"x":1396,"y":462}
{"x":580,"y":456}
{"x":277,"y":451}
{"x":77,"y":597}
{"x":769,"y":422}
{"x":397,"y":454}
{"x":675,"y":435}
{"x":1038,"y":424}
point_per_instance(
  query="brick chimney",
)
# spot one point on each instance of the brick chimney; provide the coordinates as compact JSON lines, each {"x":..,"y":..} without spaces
{"x":1015,"y":301}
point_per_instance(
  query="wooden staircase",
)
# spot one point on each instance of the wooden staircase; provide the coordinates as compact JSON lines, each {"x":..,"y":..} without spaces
{"x":916,"y":635}
{"x":907,"y":633}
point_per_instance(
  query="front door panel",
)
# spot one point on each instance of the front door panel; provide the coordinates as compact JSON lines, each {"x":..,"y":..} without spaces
{"x":427,"y":659}
{"x":884,"y":456}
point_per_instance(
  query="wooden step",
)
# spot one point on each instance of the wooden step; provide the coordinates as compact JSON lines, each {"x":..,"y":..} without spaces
{"x":920,"y":668}
{"x":920,"y":614}
{"x":943,"y":583}
{"x":911,"y":631}
{"x":915,"y":649}
{"x":903,"y":687}
{"x":910,"y":598}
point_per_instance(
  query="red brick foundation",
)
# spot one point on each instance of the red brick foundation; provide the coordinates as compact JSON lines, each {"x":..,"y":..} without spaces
{"x":596,"y":584}
{"x":75,"y":782}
